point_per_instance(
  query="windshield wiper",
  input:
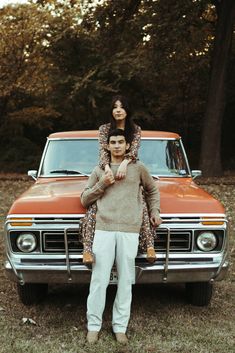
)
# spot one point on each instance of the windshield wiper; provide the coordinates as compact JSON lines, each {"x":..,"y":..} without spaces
{"x":67,"y":171}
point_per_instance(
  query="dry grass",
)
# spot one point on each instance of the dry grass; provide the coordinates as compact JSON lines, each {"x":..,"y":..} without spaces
{"x":161,"y":321}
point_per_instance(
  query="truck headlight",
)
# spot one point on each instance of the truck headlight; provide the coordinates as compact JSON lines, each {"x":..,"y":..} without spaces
{"x":26,"y":242}
{"x":206,"y":241}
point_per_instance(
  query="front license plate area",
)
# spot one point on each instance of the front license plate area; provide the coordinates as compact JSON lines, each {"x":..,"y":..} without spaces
{"x":113,"y":277}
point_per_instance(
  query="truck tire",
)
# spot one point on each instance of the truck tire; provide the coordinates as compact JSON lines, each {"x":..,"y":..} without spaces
{"x":32,"y":293}
{"x":199,"y":293}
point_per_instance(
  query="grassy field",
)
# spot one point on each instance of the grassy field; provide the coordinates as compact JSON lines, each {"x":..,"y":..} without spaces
{"x":161,"y":320}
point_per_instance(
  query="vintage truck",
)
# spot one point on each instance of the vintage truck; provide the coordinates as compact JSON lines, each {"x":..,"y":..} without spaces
{"x":42,"y":229}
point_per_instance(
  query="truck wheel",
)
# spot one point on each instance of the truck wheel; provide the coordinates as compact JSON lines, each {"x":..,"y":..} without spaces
{"x":199,"y":293}
{"x":32,"y":293}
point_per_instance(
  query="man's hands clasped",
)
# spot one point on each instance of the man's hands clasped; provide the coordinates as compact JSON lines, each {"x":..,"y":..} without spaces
{"x":108,"y":177}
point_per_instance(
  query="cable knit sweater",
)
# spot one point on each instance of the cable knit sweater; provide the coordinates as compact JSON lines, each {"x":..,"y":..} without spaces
{"x":120,"y":206}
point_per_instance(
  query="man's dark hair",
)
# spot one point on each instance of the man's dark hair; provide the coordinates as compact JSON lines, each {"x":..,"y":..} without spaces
{"x":117,"y":132}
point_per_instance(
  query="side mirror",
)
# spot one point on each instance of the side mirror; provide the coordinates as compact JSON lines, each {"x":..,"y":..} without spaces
{"x":33,"y":174}
{"x":196,"y":173}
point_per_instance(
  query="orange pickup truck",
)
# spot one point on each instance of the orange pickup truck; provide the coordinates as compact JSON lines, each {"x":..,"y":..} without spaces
{"x":42,"y":228}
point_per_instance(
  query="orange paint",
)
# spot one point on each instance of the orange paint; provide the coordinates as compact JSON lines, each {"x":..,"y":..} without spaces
{"x":62,"y":196}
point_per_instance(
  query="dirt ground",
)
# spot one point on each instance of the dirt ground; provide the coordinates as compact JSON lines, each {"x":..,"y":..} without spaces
{"x":161,"y":321}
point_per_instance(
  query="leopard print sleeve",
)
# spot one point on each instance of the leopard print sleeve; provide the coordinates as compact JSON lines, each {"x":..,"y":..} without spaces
{"x":104,"y":157}
{"x":135,"y":145}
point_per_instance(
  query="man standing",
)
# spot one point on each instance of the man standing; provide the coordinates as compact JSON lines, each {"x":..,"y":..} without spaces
{"x":118,"y":221}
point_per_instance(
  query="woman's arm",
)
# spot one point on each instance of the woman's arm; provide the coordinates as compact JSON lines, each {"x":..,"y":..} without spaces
{"x":104,"y":157}
{"x":132,"y":155}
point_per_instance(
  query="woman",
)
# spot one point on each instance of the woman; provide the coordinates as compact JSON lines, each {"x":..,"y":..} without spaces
{"x":121,"y":119}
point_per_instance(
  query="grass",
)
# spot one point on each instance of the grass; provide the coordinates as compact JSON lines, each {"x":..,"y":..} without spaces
{"x":161,"y":320}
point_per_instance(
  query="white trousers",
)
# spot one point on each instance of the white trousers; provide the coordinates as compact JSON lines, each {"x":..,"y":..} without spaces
{"x":109,"y":247}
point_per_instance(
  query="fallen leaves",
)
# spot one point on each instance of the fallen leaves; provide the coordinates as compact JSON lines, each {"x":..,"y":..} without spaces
{"x":26,"y":320}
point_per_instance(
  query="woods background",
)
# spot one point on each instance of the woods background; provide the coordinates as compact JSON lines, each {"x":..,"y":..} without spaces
{"x":62,"y":61}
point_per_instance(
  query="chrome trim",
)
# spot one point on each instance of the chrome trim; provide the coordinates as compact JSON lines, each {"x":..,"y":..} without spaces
{"x":225,"y":255}
{"x":198,"y":220}
{"x":185,"y":215}
{"x":161,"y":138}
{"x":167,"y":254}
{"x":67,"y":253}
{"x":164,"y":270}
{"x":177,"y":138}
{"x":178,"y":236}
{"x":32,"y":174}
{"x":46,"y":239}
{"x":62,"y":176}
{"x":190,"y":217}
{"x":170,"y":176}
{"x":42,"y":158}
{"x":196,"y":173}
{"x":177,"y":273}
{"x":73,"y":138}
{"x":49,"y":221}
{"x":45,"y":215}
{"x":19,"y":276}
{"x":185,"y":157}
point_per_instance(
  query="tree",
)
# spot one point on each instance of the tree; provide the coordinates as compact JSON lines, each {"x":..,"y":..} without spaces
{"x":24,"y":82}
{"x":24,"y":35}
{"x":61,"y":61}
{"x":150,"y":50}
{"x":210,"y":160}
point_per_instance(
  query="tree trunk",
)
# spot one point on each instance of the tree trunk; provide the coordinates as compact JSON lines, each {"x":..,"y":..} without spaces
{"x":210,"y":158}
{"x":3,"y":108}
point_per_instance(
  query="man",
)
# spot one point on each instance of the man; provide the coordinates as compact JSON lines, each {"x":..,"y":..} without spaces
{"x":118,"y":221}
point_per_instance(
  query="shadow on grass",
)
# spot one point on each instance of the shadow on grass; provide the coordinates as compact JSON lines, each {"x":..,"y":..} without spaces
{"x":70,"y":295}
{"x":65,"y":305}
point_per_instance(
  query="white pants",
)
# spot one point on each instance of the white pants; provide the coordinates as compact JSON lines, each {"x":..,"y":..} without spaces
{"x":107,"y":247}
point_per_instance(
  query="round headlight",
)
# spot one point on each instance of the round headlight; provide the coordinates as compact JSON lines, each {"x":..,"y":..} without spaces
{"x":206,"y":241}
{"x":26,"y":242}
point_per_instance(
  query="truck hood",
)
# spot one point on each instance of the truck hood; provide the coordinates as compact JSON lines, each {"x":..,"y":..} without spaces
{"x":184,"y":196}
{"x":59,"y":196}
{"x":51,"y":196}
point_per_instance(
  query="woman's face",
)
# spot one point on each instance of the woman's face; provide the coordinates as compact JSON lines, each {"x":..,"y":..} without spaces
{"x":119,"y":112}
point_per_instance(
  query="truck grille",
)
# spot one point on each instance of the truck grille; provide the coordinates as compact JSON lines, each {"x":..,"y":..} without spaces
{"x":179,"y":240}
{"x":54,"y":241}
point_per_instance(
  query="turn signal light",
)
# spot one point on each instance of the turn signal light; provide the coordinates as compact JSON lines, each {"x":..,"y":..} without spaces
{"x":20,"y":222}
{"x":211,"y":221}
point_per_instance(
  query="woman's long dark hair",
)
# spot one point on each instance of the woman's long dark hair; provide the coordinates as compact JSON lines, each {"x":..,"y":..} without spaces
{"x":129,"y":125}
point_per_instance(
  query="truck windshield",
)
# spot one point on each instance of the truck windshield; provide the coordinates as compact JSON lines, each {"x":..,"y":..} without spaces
{"x":80,"y":156}
{"x":164,"y":158}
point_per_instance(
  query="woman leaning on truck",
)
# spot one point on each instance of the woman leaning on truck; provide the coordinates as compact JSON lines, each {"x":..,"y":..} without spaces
{"x":121,"y":119}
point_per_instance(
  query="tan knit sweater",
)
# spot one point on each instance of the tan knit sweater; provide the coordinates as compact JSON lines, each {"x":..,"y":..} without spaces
{"x":119,"y":206}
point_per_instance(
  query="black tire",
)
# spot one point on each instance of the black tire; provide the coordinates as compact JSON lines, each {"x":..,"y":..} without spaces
{"x":199,"y":293}
{"x":32,"y":293}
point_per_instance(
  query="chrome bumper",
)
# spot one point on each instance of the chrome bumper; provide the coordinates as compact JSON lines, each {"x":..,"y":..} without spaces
{"x":177,"y":272}
{"x":169,"y":268}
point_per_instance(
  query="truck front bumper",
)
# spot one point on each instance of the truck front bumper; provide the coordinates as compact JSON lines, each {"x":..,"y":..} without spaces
{"x":177,"y":271}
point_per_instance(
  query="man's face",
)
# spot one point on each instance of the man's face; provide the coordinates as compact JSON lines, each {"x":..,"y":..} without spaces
{"x":117,"y":146}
